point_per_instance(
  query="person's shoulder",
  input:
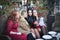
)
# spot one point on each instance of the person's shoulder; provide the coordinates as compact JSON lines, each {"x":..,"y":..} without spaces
{"x":9,"y":21}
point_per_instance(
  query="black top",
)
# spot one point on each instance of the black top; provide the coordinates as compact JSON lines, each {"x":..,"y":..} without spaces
{"x":31,"y":20}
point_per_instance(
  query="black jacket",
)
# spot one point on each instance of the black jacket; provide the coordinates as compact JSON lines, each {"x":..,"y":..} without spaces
{"x":31,"y":20}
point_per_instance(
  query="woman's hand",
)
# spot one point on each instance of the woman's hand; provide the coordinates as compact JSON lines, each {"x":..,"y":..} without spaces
{"x":36,"y":22}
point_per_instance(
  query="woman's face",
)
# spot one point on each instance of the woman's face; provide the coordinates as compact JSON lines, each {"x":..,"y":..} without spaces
{"x":34,"y":13}
{"x":17,"y":16}
{"x":25,"y":14}
{"x":30,"y":13}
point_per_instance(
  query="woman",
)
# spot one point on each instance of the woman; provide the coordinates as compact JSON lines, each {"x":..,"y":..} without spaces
{"x":11,"y":27}
{"x":33,"y":23}
{"x":37,"y":27}
{"x":42,"y":23}
{"x":30,"y":18}
{"x":24,"y":27}
{"x":41,"y":20}
{"x":35,"y":13}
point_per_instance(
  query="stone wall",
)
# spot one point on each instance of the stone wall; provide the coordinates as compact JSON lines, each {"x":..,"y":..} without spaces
{"x":57,"y":22}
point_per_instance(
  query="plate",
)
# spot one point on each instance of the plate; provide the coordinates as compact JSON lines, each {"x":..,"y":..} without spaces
{"x":52,"y":32}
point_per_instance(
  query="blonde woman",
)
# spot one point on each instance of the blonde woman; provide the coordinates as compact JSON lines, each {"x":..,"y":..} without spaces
{"x":36,"y":24}
{"x":35,"y":13}
{"x":23,"y":24}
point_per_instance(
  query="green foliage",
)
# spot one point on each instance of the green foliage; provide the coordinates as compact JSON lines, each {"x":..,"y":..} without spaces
{"x":1,"y":12}
{"x":41,"y":5}
{"x":4,"y":2}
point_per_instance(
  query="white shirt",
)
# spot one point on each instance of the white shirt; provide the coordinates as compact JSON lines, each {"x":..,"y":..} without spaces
{"x":41,"y":21}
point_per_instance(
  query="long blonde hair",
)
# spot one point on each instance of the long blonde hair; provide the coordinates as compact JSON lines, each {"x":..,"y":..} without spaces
{"x":22,"y":12}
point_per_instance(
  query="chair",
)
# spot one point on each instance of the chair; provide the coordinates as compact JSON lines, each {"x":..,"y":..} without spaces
{"x":47,"y":37}
{"x":4,"y":37}
{"x":2,"y":28}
